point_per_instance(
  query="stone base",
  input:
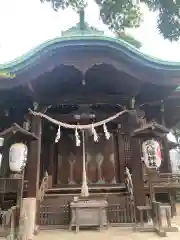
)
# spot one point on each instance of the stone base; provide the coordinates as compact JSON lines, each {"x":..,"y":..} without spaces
{"x":28,"y":217}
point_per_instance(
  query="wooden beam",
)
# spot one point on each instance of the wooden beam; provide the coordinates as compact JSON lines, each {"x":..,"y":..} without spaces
{"x":86,"y":99}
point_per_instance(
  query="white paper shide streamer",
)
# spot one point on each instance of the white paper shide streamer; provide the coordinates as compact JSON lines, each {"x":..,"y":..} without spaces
{"x":107,"y":134}
{"x":78,"y":127}
{"x":94,"y":133}
{"x":78,"y":141}
{"x":58,"y":135}
{"x":82,"y":128}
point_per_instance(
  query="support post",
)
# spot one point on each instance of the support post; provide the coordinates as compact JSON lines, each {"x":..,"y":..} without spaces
{"x":51,"y":165}
{"x":137,"y":175}
{"x":166,"y":164}
{"x":121,"y":159}
{"x":33,"y":167}
{"x":167,"y":168}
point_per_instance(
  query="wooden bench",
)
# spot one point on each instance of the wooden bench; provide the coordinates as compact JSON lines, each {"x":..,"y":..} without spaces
{"x":167,"y":209}
{"x":144,"y":209}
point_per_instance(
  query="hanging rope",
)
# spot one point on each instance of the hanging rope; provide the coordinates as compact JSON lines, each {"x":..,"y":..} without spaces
{"x":72,"y":126}
{"x":84,"y":187}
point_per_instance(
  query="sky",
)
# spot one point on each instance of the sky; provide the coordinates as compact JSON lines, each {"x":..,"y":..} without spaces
{"x":25,"y":24}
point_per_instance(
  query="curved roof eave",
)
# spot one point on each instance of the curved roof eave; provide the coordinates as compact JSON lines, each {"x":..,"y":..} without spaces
{"x":119,"y":45}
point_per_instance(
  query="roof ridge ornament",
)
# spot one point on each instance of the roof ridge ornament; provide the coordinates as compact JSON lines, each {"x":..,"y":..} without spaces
{"x":82,"y":19}
{"x":82,"y":28}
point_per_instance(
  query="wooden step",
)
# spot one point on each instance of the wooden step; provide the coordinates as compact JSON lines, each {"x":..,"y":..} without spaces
{"x":76,"y":189}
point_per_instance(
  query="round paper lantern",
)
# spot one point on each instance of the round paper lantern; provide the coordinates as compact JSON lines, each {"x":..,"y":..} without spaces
{"x":152,"y":153}
{"x":17,"y":157}
{"x":1,"y":141}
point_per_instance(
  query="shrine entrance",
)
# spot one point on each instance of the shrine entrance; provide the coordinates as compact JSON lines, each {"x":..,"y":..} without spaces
{"x":105,"y":162}
{"x":102,"y":164}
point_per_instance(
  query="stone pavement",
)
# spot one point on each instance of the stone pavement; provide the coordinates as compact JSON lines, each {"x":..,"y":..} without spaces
{"x":110,"y":234}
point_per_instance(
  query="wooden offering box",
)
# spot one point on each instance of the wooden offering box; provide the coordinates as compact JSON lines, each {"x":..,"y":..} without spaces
{"x":90,"y":213}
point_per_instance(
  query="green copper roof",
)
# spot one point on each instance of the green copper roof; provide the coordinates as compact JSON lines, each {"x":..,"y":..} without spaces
{"x":17,"y":63}
{"x":77,"y":31}
{"x":81,"y":35}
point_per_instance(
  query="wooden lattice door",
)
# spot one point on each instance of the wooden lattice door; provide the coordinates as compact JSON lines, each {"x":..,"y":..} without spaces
{"x":101,"y":161}
{"x":69,"y":161}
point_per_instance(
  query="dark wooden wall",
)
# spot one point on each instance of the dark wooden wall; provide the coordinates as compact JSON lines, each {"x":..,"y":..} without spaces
{"x":102,"y":162}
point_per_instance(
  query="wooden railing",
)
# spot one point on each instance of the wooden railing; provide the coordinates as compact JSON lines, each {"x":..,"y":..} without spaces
{"x":43,"y":187}
{"x":11,"y":185}
{"x":167,"y":180}
{"x":55,"y":211}
{"x":10,"y":222}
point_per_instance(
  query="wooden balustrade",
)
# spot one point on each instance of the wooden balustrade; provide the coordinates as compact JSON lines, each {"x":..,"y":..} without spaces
{"x":43,"y":187}
{"x":10,"y":222}
{"x":55,"y":210}
{"x":167,"y":180}
{"x":11,"y":185}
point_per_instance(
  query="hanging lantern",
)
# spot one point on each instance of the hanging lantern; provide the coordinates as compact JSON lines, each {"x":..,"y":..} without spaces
{"x":152,"y":153}
{"x":1,"y":141}
{"x":17,"y":157}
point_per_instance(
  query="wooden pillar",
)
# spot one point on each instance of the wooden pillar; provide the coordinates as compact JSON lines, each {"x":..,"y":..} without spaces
{"x":121,"y":157}
{"x":166,"y":164}
{"x":137,"y":175}
{"x":51,"y":165}
{"x":33,"y":167}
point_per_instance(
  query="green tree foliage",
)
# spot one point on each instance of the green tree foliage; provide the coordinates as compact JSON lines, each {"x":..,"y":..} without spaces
{"x":121,"y":14}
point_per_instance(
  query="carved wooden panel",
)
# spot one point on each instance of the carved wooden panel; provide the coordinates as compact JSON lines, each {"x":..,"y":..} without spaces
{"x":69,"y":160}
{"x":127,"y":151}
{"x":78,"y":167}
{"x":101,"y":161}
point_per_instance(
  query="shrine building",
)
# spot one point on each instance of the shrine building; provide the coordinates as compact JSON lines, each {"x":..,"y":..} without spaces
{"x":91,"y":102}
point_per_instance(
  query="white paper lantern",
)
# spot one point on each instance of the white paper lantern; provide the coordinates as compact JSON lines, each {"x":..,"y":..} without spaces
{"x":17,"y":157}
{"x":152,"y":153}
{"x":1,"y":141}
